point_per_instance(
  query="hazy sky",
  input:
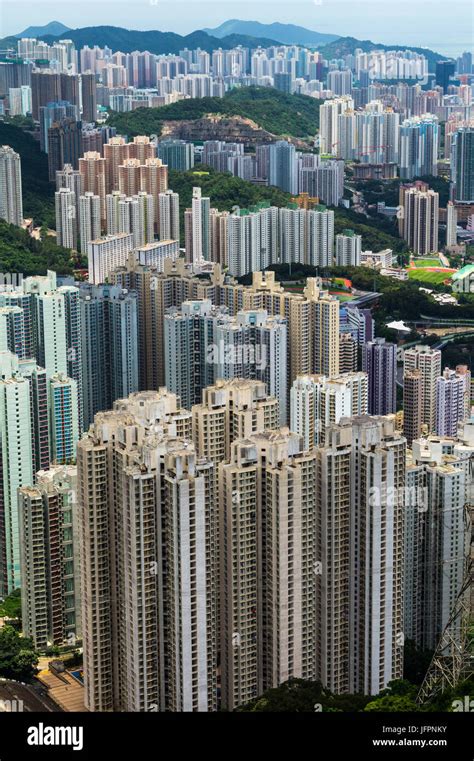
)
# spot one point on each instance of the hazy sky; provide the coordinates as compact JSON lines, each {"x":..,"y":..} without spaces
{"x":443,"y":25}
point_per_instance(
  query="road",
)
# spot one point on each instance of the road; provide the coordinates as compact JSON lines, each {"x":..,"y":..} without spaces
{"x":28,"y":697}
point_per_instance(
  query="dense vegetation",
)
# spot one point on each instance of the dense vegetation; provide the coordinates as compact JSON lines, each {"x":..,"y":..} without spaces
{"x":24,"y":122}
{"x":38,"y":192}
{"x":399,"y":300}
{"x":439,"y":185}
{"x":377,"y":232}
{"x":226,"y":192}
{"x":19,"y":252}
{"x":388,"y":190}
{"x":18,"y":658}
{"x":11,"y":605}
{"x":402,"y":300}
{"x":299,"y":695}
{"x":274,"y":111}
{"x":400,"y":696}
{"x":459,"y":352}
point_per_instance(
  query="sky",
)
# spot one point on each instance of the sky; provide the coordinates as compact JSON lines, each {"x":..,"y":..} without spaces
{"x":446,"y":26}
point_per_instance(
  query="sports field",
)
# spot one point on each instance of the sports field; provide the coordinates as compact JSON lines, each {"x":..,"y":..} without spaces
{"x":428,"y":270}
{"x":428,"y":275}
{"x":342,"y":295}
{"x":426,"y":262}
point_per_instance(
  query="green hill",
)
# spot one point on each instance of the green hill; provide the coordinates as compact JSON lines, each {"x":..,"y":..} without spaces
{"x":347,"y":45}
{"x":38,"y":192}
{"x":249,"y":34}
{"x":19,"y":252}
{"x":236,"y":33}
{"x":277,"y":112}
{"x":128,"y":40}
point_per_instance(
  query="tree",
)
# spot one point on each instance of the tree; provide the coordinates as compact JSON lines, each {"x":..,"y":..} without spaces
{"x":438,"y":184}
{"x":393,"y":704}
{"x":19,"y":252}
{"x":296,"y":695}
{"x":11,"y":606}
{"x":304,"y":696}
{"x":399,"y":697}
{"x":24,"y":122}
{"x":38,"y":192}
{"x":415,"y":661}
{"x":18,"y":658}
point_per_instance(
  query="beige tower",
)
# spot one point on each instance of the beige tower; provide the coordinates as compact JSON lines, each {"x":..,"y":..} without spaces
{"x":191,"y":582}
{"x":333,"y":538}
{"x":147,"y":529}
{"x":412,"y":405}
{"x":115,"y":153}
{"x":154,"y":180}
{"x":231,"y":410}
{"x":348,"y":349}
{"x":218,"y":222}
{"x":324,"y":329}
{"x":49,"y":552}
{"x":428,"y":362}
{"x":376,"y":550}
{"x":238,"y":506}
{"x":316,"y":402}
{"x":288,"y":614}
{"x":313,"y":320}
{"x":166,"y":289}
{"x":142,"y":148}
{"x":93,"y":169}
{"x":361,"y":480}
{"x":267,"y":502}
{"x":129,"y":177}
{"x":143,"y":280}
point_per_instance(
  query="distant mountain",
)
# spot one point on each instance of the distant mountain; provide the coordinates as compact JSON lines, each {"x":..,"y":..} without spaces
{"x":250,"y":34}
{"x":330,"y":45}
{"x":347,"y":45}
{"x":128,"y":40}
{"x":54,"y":27}
{"x":285,"y":33}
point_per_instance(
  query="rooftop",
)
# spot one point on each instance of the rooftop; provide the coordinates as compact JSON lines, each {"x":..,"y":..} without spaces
{"x":466,"y":270}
